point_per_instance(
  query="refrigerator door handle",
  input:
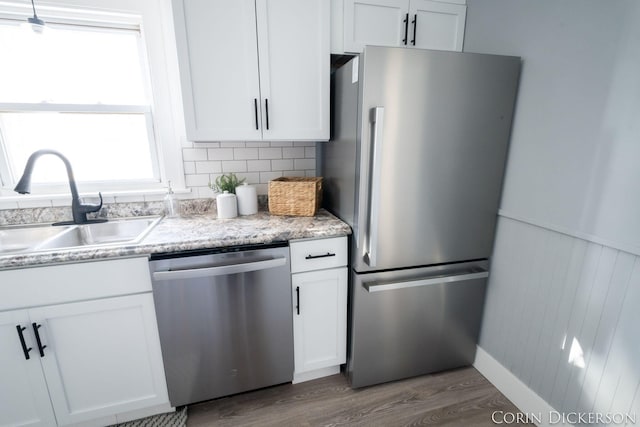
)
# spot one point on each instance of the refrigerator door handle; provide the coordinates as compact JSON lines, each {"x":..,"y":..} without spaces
{"x":378,"y":287}
{"x":376,"y":118}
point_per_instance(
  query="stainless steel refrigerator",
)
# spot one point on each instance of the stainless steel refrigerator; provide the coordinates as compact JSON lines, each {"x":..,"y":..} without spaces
{"x":415,"y":167}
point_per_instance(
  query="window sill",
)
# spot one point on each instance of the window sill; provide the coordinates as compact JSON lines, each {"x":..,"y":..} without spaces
{"x":52,"y":200}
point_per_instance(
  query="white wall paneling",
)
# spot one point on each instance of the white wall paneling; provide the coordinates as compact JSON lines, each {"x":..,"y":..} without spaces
{"x":561,"y":315}
{"x":573,"y":161}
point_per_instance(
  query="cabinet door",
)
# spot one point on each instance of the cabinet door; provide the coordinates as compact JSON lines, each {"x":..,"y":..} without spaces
{"x":319,"y":319}
{"x":102,"y":357}
{"x":218,"y":60}
{"x":24,"y":400}
{"x":293,"y":46}
{"x":437,"y":25}
{"x":374,"y":22}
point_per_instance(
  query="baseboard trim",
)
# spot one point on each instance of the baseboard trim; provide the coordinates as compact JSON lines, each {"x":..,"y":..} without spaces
{"x":315,"y":374}
{"x":527,"y":401}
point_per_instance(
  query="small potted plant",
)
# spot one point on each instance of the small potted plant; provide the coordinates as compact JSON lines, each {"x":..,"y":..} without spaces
{"x":226,"y":201}
{"x":226,"y":182}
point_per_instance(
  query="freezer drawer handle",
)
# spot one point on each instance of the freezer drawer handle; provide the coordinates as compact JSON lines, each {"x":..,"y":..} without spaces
{"x":298,"y":299}
{"x":378,"y":287}
{"x":25,"y":350}
{"x":328,"y":254}
{"x":219,"y":271}
{"x":38,"y":340}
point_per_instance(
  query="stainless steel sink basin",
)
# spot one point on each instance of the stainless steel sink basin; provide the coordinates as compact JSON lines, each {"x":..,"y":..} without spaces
{"x":42,"y":238}
{"x":22,"y":238}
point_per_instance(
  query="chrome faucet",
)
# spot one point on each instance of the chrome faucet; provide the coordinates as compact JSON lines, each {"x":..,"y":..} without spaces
{"x":78,"y":209}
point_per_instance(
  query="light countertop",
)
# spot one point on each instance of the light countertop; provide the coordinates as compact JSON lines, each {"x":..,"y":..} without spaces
{"x":195,"y":232}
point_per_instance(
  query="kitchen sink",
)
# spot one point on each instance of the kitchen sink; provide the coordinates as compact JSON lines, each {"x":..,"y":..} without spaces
{"x":43,"y":237}
{"x":22,"y":238}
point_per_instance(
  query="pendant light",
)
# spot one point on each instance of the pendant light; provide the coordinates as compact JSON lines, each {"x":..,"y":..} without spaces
{"x":37,"y":24}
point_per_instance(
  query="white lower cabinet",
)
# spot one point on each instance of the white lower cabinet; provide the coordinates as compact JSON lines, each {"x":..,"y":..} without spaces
{"x":24,"y":399}
{"x":319,"y":308}
{"x":81,"y":361}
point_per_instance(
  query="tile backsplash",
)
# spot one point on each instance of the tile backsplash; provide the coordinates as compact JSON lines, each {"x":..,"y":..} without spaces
{"x":258,"y":162}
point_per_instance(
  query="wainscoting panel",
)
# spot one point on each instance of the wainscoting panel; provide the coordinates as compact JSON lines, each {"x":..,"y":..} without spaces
{"x":563,"y":315}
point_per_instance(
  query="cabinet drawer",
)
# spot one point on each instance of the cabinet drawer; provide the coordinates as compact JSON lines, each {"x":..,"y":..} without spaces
{"x":307,"y":255}
{"x":63,"y":283}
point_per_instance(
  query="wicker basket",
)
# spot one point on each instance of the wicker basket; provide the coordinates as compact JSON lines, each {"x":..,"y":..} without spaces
{"x":295,"y":196}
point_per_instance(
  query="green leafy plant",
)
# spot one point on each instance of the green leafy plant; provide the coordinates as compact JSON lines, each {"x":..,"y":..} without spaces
{"x":226,"y":182}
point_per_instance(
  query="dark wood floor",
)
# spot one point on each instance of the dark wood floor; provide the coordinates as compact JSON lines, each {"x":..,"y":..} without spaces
{"x":461,"y":397}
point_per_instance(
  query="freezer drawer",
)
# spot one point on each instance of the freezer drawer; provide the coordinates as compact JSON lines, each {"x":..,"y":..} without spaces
{"x":415,"y":321}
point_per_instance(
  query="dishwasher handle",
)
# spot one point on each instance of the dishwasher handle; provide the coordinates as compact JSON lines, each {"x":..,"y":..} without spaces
{"x":196,"y":273}
{"x":378,"y":287}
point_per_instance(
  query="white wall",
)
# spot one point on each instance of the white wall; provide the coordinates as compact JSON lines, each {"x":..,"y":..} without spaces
{"x":574,"y":159}
{"x":565,"y":268}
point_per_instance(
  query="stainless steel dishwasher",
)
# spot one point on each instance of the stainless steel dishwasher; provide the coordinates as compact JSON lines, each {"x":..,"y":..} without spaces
{"x":224,"y":319}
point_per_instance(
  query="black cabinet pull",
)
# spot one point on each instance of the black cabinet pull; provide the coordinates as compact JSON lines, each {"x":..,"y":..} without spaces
{"x":266,"y":107}
{"x":38,"y":341}
{"x":25,"y":350}
{"x":328,"y":254}
{"x":255,"y":109}
{"x":406,"y":29}
{"x":298,"y":299}
{"x":415,"y":25}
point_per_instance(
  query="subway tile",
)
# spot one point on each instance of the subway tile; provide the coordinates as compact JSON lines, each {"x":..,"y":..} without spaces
{"x":245,"y":153}
{"x":270,"y":153}
{"x":8,"y":205}
{"x":310,"y":152}
{"x":262,"y":188}
{"x":189,"y":167}
{"x":293,"y":153}
{"x":192,"y":154}
{"x":207,"y":144}
{"x":259,"y":165}
{"x":220,"y":153}
{"x":198,"y":180}
{"x":155,"y":197}
{"x":311,"y":173}
{"x":234,"y":166}
{"x":293,"y":173}
{"x":34,"y":203}
{"x":203,"y":192}
{"x":208,"y":167}
{"x":250,"y":177}
{"x":232,"y":144}
{"x":256,"y":144}
{"x":281,"y":144}
{"x":301,"y":164}
{"x":304,"y":144}
{"x":66,"y":201}
{"x":281,"y":165}
{"x":265,"y":177}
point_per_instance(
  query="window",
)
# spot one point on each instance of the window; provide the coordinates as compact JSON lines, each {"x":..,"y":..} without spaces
{"x":82,"y":87}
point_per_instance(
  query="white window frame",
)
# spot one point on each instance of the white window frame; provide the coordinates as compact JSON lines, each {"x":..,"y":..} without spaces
{"x":164,"y":119}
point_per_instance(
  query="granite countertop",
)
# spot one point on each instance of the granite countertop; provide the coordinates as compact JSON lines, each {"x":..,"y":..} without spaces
{"x":195,"y":232}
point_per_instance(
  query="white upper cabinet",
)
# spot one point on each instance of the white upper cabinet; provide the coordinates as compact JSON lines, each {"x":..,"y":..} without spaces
{"x":216,"y":42}
{"x":254,"y":70}
{"x":423,"y":24}
{"x":437,"y":25}
{"x":375,"y":22}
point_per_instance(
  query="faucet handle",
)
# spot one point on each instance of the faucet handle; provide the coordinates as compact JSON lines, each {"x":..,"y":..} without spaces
{"x":91,"y":207}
